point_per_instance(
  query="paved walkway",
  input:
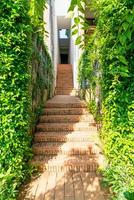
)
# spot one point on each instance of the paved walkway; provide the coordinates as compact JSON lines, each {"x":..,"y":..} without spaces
{"x":65,"y":186}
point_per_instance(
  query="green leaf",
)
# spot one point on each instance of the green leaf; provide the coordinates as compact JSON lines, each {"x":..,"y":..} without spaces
{"x":129,"y":34}
{"x":76,"y":20}
{"x":78,"y":40}
{"x":74,"y":26}
{"x":123,"y":60}
{"x":122,"y":39}
{"x":73,"y":4}
{"x":125,"y":26}
{"x":75,"y":32}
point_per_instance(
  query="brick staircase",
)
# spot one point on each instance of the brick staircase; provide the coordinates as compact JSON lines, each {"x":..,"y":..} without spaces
{"x":67,"y":149}
{"x":64,"y":80}
{"x":66,"y":137}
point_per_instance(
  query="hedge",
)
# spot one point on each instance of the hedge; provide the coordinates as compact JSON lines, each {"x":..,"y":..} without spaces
{"x":115,"y":34}
{"x":15,"y":95}
{"x":113,"y":49}
{"x":17,"y":29}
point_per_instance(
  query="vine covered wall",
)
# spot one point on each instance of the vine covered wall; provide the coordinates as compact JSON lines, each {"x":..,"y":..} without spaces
{"x":113,"y":49}
{"x":89,"y":75}
{"x":26,"y":78}
{"x":115,"y":36}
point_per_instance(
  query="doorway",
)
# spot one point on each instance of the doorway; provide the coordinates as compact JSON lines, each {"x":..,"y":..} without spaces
{"x":64,"y":58}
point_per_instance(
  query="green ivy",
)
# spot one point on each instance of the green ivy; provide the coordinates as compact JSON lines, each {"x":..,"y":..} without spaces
{"x":89,"y":78}
{"x":15,"y":94}
{"x":18,"y":28}
{"x":113,"y":48}
{"x":115,"y":34}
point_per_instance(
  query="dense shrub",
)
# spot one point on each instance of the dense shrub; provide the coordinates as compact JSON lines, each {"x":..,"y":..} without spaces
{"x":18,"y":28}
{"x":115,"y":34}
{"x":15,"y":95}
{"x":114,"y":50}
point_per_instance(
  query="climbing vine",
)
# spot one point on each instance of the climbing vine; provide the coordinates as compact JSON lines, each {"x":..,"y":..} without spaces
{"x":15,"y":101}
{"x":42,"y":67}
{"x":115,"y":34}
{"x":113,"y":42}
{"x":18,"y":26}
{"x":79,"y":19}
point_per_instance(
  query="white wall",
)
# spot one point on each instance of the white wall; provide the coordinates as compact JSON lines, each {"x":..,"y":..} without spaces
{"x":50,"y":16}
{"x":74,"y":60}
{"x":75,"y":53}
{"x":52,"y":39}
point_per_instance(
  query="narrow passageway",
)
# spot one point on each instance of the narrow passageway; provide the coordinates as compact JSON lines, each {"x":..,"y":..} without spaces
{"x":67,"y":148}
{"x":64,"y":84}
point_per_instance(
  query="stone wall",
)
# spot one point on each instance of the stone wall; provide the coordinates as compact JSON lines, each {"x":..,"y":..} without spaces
{"x":42,"y":76}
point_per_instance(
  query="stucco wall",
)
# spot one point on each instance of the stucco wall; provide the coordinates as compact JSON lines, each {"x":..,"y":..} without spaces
{"x":75,"y":53}
{"x":52,"y":38}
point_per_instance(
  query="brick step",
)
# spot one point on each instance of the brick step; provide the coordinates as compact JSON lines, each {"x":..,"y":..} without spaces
{"x":66,"y":105}
{"x":70,"y":148}
{"x":68,"y":164}
{"x":66,"y":76}
{"x":65,"y":79}
{"x":64,"y":92}
{"x":64,"y":83}
{"x":65,"y":87}
{"x":64,"y":111}
{"x":66,"y":118}
{"x":66,"y":137}
{"x":81,"y":126}
{"x":61,"y":157}
{"x":64,"y":68}
{"x":62,"y":71}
